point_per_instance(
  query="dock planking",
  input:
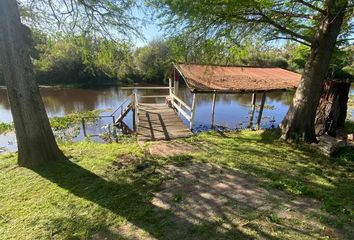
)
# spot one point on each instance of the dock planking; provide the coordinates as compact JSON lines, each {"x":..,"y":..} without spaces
{"x":159,"y":122}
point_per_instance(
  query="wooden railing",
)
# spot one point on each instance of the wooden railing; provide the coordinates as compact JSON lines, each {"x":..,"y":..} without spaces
{"x":124,"y":108}
{"x":179,"y":105}
{"x":188,"y":112}
{"x":132,"y":103}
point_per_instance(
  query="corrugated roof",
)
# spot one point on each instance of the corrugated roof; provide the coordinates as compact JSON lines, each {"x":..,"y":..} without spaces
{"x":229,"y":79}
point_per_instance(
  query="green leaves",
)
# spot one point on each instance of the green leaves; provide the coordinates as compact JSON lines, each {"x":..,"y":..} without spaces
{"x":268,"y":19}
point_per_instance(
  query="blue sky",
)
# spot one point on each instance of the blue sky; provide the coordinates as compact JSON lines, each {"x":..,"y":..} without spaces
{"x":150,"y":30}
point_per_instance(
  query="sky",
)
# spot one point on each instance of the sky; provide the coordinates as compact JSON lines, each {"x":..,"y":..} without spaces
{"x":150,"y":30}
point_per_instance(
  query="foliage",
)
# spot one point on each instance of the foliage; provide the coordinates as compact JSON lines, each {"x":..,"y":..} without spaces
{"x":105,"y":18}
{"x":105,"y":190}
{"x":62,"y":123}
{"x":82,"y":60}
{"x":59,"y":123}
{"x":153,"y":61}
{"x":212,"y":51}
{"x":271,"y":20}
{"x":224,"y":22}
{"x":5,"y":127}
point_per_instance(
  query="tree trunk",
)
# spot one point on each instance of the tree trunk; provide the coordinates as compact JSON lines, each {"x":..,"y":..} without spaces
{"x":35,"y":139}
{"x":332,"y":108}
{"x":299,"y":122}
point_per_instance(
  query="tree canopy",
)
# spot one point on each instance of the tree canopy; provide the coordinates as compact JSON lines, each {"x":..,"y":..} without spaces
{"x":107,"y":18}
{"x":269,"y":19}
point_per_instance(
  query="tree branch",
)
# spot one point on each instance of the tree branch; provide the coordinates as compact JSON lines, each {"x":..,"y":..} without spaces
{"x":283,"y":29}
{"x":291,"y":38}
{"x":311,"y":6}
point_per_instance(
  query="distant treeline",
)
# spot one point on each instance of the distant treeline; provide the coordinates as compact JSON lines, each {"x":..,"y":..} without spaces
{"x":87,"y":60}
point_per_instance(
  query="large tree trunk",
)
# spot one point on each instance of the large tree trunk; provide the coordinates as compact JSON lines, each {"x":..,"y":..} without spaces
{"x":35,"y":139}
{"x":332,"y":108}
{"x":299,"y":122}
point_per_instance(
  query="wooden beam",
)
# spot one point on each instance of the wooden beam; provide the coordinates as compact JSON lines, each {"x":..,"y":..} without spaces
{"x":132,"y":100}
{"x":142,"y":88}
{"x":213,"y":110}
{"x":261,"y":111}
{"x":83,"y":126}
{"x":170,"y":85}
{"x":253,"y":109}
{"x":176,"y":87}
{"x":191,"y":123}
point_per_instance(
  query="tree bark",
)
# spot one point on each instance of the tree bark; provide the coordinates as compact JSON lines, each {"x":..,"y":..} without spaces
{"x":332,"y":108}
{"x":35,"y":139}
{"x":298,"y":123}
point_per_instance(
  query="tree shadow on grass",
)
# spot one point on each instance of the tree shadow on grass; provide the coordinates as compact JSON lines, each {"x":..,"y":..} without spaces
{"x":131,"y":200}
{"x":270,"y":135}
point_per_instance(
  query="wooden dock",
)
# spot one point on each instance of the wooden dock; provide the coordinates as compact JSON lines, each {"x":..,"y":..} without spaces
{"x":159,"y":122}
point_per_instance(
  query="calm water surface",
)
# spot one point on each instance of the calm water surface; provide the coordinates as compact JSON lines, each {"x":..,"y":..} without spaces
{"x":232,"y":111}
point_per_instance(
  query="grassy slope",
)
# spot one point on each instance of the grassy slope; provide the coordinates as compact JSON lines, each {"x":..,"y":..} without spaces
{"x":92,"y":194}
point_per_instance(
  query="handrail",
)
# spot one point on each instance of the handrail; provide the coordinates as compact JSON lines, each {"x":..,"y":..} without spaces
{"x":181,"y":102}
{"x":180,"y":110}
{"x":122,"y":104}
{"x":153,"y":96}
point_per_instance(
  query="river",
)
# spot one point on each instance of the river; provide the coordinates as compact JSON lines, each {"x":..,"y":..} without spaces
{"x":231,"y":111}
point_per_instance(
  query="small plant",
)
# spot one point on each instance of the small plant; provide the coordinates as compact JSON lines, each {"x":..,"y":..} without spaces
{"x":177,"y":198}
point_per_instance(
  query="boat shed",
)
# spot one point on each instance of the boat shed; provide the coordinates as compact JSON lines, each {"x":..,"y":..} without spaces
{"x":220,"y":79}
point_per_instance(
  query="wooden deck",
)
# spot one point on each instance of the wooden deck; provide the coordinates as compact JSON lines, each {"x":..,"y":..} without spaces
{"x":159,"y":122}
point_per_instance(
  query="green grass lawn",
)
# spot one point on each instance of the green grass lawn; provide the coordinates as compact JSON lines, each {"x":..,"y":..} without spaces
{"x":105,"y":191}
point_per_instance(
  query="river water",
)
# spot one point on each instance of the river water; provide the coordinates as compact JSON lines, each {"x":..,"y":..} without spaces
{"x":231,"y":110}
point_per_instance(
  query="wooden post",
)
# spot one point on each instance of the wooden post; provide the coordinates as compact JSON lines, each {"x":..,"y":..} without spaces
{"x":83,"y":126}
{"x":136,"y":109}
{"x":191,"y":122}
{"x":261,"y":111}
{"x":133,"y":111}
{"x":176,"y":87}
{"x":253,"y":106}
{"x":170,"y":86}
{"x":213,"y":110}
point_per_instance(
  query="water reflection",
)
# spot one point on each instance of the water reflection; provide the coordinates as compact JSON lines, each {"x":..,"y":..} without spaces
{"x":232,"y":110}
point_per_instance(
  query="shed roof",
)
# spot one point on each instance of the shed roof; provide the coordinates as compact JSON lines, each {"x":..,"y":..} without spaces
{"x":230,"y":79}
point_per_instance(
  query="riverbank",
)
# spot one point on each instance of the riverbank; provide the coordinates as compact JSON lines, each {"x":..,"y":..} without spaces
{"x":223,"y":185}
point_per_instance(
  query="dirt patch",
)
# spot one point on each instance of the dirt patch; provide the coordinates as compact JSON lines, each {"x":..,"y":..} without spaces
{"x":123,"y":161}
{"x":132,"y":232}
{"x":231,"y":201}
{"x":170,"y":149}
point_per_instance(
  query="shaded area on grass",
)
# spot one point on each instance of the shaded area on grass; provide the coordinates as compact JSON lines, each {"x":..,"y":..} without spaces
{"x":234,"y":200}
{"x":297,"y":169}
{"x":130,"y":200}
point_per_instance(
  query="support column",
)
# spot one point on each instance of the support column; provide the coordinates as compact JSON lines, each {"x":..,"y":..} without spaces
{"x":261,"y":111}
{"x":170,"y":86}
{"x":213,"y":110}
{"x":134,"y":111}
{"x":253,"y":109}
{"x":191,"y":122}
{"x":176,"y":87}
{"x":175,"y":82}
